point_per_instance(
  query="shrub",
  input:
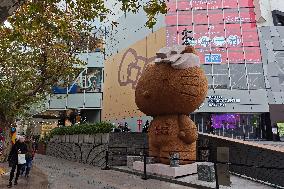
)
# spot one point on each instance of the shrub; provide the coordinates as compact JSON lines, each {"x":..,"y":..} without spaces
{"x":100,"y":127}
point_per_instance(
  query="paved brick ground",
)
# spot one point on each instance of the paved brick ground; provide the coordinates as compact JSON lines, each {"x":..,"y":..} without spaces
{"x":64,"y":174}
{"x":53,"y":173}
{"x":38,"y":180}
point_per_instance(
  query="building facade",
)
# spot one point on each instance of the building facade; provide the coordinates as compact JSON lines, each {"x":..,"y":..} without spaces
{"x":239,"y":43}
{"x":81,"y":100}
{"x":84,"y":95}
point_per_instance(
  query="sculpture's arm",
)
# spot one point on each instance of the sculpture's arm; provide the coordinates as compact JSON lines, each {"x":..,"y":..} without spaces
{"x":187,"y":129}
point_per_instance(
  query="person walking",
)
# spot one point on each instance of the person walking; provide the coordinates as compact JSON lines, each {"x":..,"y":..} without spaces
{"x":18,"y":150}
{"x":146,"y":127}
{"x":29,"y":157}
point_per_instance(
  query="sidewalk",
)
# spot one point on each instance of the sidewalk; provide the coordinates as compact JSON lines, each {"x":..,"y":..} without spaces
{"x":63,"y":174}
{"x":37,"y":180}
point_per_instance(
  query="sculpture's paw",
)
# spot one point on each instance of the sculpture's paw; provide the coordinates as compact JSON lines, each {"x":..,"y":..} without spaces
{"x":181,"y":134}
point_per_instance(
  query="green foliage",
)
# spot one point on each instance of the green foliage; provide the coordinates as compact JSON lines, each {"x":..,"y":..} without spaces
{"x":152,"y":9}
{"x":101,"y":127}
{"x":38,"y":50}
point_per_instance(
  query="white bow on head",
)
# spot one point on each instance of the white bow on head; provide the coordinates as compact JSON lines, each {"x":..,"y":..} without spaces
{"x":173,"y":56}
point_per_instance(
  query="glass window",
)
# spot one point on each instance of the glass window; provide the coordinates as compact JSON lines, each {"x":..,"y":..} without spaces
{"x":184,"y":18}
{"x":197,"y":4}
{"x":171,"y":20}
{"x":215,"y":16}
{"x":215,"y":4}
{"x":253,"y":55}
{"x":235,"y":55}
{"x":230,"y":4}
{"x":246,"y":3}
{"x":238,"y":76}
{"x":200,"y":17}
{"x":247,"y":15}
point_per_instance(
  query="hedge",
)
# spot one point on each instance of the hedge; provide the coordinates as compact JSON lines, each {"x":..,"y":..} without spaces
{"x":101,"y":127}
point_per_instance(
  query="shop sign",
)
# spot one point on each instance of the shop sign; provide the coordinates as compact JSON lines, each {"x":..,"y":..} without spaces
{"x":139,"y":123}
{"x":204,"y":41}
{"x":219,"y":101}
{"x":274,"y":130}
{"x":213,"y":58}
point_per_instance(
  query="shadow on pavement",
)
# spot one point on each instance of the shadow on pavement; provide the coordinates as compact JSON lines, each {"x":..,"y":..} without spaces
{"x":37,"y":180}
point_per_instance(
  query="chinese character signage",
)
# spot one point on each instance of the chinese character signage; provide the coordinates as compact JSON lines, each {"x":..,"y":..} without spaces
{"x":213,"y":58}
{"x":219,"y":101}
{"x":221,"y":30}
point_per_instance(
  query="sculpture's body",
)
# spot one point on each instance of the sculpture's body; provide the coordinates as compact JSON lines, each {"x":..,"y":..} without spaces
{"x":169,"y":94}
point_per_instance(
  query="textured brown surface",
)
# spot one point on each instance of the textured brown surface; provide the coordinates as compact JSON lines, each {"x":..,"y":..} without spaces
{"x":163,"y":90}
{"x":169,"y":95}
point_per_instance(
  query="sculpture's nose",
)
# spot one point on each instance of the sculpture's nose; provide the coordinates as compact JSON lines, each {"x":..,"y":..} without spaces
{"x":146,"y":94}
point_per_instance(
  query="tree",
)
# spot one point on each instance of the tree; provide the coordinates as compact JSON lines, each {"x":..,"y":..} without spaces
{"x":39,"y":48}
{"x":7,"y":7}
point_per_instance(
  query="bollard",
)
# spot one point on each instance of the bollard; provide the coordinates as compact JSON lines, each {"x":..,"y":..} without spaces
{"x":107,"y":164}
{"x":144,"y":177}
{"x":174,"y":159}
{"x":216,"y":175}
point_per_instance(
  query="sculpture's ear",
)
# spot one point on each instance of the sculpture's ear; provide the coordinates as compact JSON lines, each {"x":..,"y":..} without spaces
{"x":149,"y":66}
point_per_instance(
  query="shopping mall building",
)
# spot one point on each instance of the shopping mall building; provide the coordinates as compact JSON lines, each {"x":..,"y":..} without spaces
{"x":240,"y":43}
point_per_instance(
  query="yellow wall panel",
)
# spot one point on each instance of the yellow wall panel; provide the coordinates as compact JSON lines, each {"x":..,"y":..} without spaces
{"x":122,"y":72}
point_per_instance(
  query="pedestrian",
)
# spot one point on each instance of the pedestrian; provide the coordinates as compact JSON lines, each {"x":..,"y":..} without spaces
{"x":29,"y":158}
{"x":15,"y":159}
{"x":146,"y":127}
{"x":125,"y":128}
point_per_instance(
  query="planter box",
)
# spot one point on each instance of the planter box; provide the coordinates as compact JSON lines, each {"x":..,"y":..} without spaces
{"x":80,"y":139}
{"x":105,"y":138}
{"x":74,"y":138}
{"x":67,"y":138}
{"x":98,"y":138}
{"x":90,"y":139}
{"x":56,"y":139}
{"x":62,"y":138}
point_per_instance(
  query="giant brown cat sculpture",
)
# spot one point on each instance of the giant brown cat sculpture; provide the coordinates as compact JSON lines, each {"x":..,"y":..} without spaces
{"x":170,"y":90}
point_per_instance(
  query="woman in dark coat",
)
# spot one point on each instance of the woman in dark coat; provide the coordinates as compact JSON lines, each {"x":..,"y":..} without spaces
{"x":19,"y":148}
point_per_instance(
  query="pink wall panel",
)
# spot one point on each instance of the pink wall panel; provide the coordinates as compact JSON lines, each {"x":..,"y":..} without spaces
{"x":227,"y":33}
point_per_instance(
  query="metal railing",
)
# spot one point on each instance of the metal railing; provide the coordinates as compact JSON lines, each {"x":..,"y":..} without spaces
{"x":145,"y":156}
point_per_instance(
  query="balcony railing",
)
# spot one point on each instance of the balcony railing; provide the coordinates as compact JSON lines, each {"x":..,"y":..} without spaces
{"x":75,"y":101}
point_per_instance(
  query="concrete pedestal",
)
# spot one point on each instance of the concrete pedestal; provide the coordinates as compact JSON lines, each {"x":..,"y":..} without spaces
{"x":166,"y":170}
{"x":131,"y":160}
{"x":206,"y":171}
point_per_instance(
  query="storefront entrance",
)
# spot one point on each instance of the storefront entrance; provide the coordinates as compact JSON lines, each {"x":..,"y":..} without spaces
{"x":233,"y":125}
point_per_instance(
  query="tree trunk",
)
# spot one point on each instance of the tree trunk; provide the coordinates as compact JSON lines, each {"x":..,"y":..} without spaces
{"x":7,"y":144}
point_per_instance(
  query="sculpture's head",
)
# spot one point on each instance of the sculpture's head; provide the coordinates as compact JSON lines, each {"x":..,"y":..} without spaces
{"x":175,"y":84}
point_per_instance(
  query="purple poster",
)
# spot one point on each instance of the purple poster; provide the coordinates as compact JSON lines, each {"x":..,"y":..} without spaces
{"x":228,"y":121}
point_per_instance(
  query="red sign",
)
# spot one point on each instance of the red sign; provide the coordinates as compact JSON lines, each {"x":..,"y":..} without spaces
{"x":223,"y":28}
{"x":139,"y":123}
